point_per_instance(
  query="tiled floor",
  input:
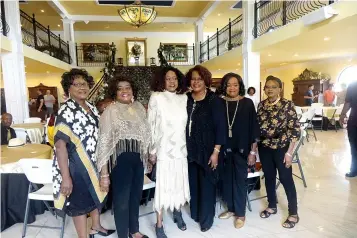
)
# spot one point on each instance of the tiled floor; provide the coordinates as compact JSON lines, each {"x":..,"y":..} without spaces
{"x":327,"y":207}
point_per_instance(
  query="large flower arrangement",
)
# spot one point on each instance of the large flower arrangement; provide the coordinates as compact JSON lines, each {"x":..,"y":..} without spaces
{"x":136,"y":50}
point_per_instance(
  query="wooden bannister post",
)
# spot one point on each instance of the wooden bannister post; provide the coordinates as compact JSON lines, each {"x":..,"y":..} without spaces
{"x":255,"y":20}
{"x":34,"y":30}
{"x":207,"y":47}
{"x":217,"y":42}
{"x":77,"y":54}
{"x":229,"y":35}
{"x":284,"y":13}
{"x":193,"y":53}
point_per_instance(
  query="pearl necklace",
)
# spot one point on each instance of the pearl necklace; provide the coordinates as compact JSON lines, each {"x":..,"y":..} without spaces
{"x":273,"y":103}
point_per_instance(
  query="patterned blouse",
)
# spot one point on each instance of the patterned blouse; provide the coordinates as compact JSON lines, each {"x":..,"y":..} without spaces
{"x":279,"y":124}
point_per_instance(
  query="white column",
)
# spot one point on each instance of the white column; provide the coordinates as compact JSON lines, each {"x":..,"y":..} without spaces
{"x":251,"y":60}
{"x":13,"y":67}
{"x":198,"y":38}
{"x":68,"y":35}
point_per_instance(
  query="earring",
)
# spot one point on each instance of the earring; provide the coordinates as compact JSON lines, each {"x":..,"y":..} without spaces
{"x":132,"y":99}
{"x":69,"y":95}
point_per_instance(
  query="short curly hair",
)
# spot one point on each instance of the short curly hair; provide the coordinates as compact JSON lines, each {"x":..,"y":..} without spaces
{"x":250,"y":89}
{"x":203,"y":72}
{"x":158,"y":81}
{"x":224,"y":83}
{"x":113,"y":86}
{"x":69,"y":77}
{"x":275,"y":79}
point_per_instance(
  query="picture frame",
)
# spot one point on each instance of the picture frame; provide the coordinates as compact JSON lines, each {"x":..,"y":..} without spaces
{"x":95,"y":52}
{"x":175,"y":52}
{"x":136,"y":51}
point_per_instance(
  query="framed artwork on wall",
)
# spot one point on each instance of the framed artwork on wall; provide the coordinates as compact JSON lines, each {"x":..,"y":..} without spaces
{"x":135,"y":51}
{"x":95,"y":52}
{"x":175,"y":52}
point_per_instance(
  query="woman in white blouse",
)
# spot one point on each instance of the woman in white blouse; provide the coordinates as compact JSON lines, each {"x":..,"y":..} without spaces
{"x":167,"y":117}
{"x":251,"y":95}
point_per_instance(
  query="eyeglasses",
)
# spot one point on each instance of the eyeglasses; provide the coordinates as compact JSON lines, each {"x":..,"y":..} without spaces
{"x":272,"y":87}
{"x":80,"y":85}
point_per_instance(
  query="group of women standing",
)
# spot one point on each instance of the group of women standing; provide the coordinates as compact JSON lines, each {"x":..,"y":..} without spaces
{"x":195,"y":137}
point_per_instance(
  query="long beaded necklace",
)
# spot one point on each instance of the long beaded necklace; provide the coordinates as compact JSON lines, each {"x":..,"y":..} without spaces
{"x":230,"y":125}
{"x":193,"y":109}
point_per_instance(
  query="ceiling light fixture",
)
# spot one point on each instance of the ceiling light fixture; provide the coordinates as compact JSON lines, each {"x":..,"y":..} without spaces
{"x":326,"y":38}
{"x":269,"y":54}
{"x":296,"y":54}
{"x":42,"y":10}
{"x":219,"y":14}
{"x":59,"y":25}
{"x":138,"y":14}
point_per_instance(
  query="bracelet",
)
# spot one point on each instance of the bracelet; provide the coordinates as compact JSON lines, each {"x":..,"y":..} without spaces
{"x":252,"y":152}
{"x":288,"y":154}
{"x":104,"y":176}
{"x":216,"y":149}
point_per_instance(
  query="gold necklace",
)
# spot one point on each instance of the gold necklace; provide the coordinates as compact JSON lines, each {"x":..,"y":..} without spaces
{"x":230,"y":125}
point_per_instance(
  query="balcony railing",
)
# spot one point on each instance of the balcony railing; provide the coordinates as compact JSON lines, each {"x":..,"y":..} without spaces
{"x":180,"y":54}
{"x":270,"y":15}
{"x":4,"y":27}
{"x":43,"y":39}
{"x":228,"y":38}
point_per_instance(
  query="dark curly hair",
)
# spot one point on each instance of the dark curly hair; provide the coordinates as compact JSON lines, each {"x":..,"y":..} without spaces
{"x":223,"y":88}
{"x":113,"y":86}
{"x":275,"y":79}
{"x":250,"y":89}
{"x":203,"y":72}
{"x":158,"y":81}
{"x":69,"y":77}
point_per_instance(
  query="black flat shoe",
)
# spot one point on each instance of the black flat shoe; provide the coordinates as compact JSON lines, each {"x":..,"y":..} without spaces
{"x":143,"y":236}
{"x":108,"y":233}
{"x":203,"y":229}
{"x":351,"y":175}
{"x":179,"y":221}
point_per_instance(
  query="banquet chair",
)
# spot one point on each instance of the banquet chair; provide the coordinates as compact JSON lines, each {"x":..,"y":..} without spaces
{"x":336,"y":116}
{"x":21,"y":133}
{"x":39,"y":171}
{"x":253,"y":175}
{"x":319,"y":113}
{"x":32,"y":120}
{"x":310,"y":114}
{"x":148,"y":184}
{"x":296,"y":158}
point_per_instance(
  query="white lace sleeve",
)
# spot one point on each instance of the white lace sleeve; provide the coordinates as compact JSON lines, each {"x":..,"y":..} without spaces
{"x":152,"y":119}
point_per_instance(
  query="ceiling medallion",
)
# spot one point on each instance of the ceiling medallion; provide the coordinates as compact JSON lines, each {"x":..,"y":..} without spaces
{"x":138,"y":14}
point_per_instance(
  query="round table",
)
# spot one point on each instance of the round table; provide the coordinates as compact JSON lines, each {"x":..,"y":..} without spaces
{"x":14,"y":184}
{"x":35,"y":131}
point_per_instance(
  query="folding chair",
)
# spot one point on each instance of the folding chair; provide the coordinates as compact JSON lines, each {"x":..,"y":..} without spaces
{"x":148,"y":184}
{"x":336,"y":116}
{"x":310,"y":114}
{"x":318,"y":113}
{"x":22,"y":134}
{"x":32,"y":120}
{"x":39,"y":171}
{"x":296,"y":159}
{"x":253,"y":175}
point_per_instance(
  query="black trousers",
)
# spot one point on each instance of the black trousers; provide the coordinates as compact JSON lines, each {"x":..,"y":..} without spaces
{"x":127,"y":182}
{"x":273,"y":160}
{"x":235,"y":183}
{"x":352,"y":137}
{"x":203,"y":195}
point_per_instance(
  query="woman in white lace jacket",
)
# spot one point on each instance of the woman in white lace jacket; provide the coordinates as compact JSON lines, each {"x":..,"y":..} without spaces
{"x":167,"y":118}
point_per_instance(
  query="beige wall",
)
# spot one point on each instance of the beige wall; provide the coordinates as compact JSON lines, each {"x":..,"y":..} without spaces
{"x":287,"y":73}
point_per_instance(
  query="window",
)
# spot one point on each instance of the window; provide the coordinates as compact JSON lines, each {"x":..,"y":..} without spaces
{"x":347,"y":76}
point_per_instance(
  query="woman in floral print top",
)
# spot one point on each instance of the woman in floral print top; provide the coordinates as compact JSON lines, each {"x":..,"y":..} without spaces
{"x":279,"y":130}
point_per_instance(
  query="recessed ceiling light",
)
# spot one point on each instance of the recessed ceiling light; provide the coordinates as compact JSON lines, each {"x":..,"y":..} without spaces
{"x":219,"y":69}
{"x":326,"y":38}
{"x":269,"y":54}
{"x":219,"y":14}
{"x":42,"y":10}
{"x":59,"y":25}
{"x":296,"y":54}
{"x":238,"y":64}
{"x":48,"y":72}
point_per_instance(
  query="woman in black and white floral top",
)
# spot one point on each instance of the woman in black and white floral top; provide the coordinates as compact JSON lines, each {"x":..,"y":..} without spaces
{"x":75,"y":175}
{"x":279,"y":130}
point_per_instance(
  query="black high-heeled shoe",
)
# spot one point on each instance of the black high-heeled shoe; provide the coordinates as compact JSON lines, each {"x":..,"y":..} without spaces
{"x":178,"y":220}
{"x":101,"y":233}
{"x":144,"y":236}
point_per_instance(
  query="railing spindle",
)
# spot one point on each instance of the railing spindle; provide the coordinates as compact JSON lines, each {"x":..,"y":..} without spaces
{"x":34,"y":30}
{"x":193,"y":52}
{"x":77,"y":54}
{"x":230,"y":35}
{"x":217,"y":43}
{"x":207,"y":47}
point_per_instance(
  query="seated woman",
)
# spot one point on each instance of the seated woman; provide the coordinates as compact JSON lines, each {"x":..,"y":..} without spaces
{"x":124,"y":135}
{"x":241,"y":148}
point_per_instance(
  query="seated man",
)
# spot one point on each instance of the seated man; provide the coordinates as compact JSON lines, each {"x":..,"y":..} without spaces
{"x":7,"y":133}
